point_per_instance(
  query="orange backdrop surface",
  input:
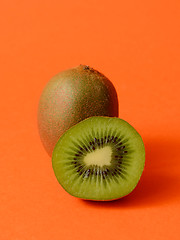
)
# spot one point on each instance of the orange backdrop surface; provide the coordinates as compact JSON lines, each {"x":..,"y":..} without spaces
{"x":136,"y":44}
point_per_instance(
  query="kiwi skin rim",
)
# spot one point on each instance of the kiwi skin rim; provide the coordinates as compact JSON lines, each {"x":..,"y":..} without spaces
{"x":137,"y":173}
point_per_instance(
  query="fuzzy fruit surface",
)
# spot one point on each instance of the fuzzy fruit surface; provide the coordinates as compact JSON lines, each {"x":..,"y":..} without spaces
{"x":70,"y":97}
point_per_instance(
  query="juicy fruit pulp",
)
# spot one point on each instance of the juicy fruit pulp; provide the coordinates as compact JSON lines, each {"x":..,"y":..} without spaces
{"x":100,"y":158}
{"x":70,"y":97}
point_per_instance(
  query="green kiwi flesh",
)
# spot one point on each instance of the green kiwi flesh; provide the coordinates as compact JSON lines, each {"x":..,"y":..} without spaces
{"x":70,"y":97}
{"x":100,"y":158}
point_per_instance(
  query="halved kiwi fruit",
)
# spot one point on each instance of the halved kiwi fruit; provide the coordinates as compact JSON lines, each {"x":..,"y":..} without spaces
{"x":100,"y":158}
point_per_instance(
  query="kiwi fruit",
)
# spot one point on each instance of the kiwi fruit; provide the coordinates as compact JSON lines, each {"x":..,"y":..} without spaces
{"x":100,"y":159}
{"x":70,"y":97}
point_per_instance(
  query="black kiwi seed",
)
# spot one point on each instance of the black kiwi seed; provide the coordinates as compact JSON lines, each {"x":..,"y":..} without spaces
{"x":79,"y":168}
{"x":97,"y":170}
{"x":108,"y":139}
{"x":94,"y":171}
{"x":77,"y":154}
{"x":86,"y":173}
{"x":119,"y":145}
{"x":85,"y":148}
{"x":112,"y":138}
{"x":104,"y":172}
{"x":95,"y":141}
{"x":122,"y":147}
{"x":115,"y":139}
{"x":81,"y":149}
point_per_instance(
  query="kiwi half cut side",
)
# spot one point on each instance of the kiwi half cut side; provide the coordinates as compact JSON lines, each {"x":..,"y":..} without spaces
{"x":100,"y":158}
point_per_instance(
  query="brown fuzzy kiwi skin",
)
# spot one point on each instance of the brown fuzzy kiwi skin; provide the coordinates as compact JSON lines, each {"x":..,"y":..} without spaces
{"x":70,"y":97}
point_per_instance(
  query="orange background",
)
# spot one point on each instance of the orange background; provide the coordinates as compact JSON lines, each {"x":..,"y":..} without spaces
{"x":136,"y":44}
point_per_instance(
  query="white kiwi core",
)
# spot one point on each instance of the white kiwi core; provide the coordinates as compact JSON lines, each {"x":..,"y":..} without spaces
{"x":99,"y":157}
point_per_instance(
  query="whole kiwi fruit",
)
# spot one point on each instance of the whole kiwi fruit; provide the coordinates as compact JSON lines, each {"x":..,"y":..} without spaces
{"x":70,"y":97}
{"x":100,"y":159}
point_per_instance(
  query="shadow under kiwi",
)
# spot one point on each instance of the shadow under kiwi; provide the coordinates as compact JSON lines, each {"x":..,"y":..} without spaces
{"x":160,"y":181}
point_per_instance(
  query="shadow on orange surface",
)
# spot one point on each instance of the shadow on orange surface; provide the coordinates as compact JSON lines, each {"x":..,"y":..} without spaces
{"x":160,"y":181}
